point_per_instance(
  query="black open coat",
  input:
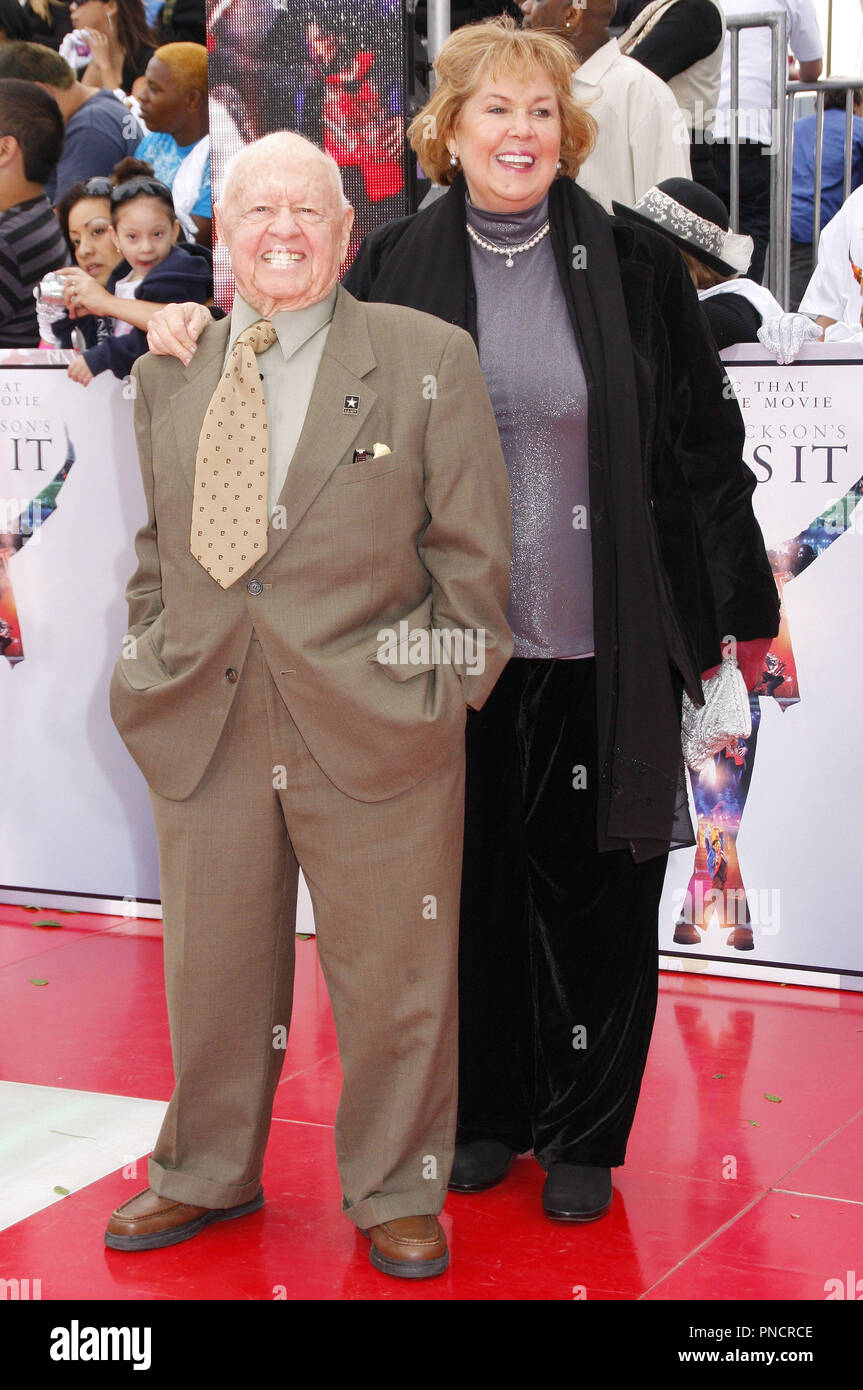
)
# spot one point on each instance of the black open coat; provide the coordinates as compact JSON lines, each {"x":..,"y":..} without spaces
{"x":678,"y":557}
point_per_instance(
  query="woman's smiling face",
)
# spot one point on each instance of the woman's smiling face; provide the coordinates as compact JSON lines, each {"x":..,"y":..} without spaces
{"x":507,"y":140}
{"x":90,"y":237}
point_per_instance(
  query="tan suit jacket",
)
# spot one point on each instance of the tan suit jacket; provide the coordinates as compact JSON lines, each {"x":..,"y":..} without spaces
{"x":421,"y":534}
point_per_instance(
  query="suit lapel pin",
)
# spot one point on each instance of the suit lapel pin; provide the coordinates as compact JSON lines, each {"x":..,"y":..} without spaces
{"x":352,"y":405}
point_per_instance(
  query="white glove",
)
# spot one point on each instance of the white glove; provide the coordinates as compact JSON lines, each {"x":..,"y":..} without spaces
{"x":785,"y":335}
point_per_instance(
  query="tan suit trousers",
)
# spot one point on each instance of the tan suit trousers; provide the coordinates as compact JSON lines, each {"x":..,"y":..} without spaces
{"x":384,"y":881}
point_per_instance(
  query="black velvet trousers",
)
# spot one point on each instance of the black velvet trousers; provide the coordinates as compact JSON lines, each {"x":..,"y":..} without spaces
{"x":558,"y":948}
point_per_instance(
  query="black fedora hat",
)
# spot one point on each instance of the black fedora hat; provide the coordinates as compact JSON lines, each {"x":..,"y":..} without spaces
{"x":695,"y":220}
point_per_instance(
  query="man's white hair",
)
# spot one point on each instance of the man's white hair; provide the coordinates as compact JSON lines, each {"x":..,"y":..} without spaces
{"x":276,"y":146}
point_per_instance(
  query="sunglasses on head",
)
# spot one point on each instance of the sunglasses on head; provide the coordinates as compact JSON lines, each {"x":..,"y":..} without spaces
{"x":98,"y":188}
{"x":140,"y":184}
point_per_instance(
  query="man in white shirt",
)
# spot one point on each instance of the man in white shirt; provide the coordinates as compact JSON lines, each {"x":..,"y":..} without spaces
{"x":754,"y":128}
{"x":643,"y":137}
{"x":832,"y":307}
{"x":834,"y":295}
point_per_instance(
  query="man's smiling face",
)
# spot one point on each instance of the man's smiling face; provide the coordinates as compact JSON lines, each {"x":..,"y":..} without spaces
{"x":285,"y":227}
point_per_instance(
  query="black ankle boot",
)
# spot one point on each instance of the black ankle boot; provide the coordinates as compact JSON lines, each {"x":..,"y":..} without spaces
{"x":576,"y":1192}
{"x":479,"y":1165}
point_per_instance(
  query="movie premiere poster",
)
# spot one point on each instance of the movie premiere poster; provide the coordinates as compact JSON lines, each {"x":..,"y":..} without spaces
{"x":334,"y":72}
{"x":771,"y":881}
{"x":75,"y":818}
{"x":75,"y":815}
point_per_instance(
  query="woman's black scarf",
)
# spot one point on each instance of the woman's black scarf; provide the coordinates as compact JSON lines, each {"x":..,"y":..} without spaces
{"x":425,"y":264}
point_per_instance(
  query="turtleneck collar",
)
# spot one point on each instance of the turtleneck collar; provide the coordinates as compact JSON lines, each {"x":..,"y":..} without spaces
{"x":507,"y":228}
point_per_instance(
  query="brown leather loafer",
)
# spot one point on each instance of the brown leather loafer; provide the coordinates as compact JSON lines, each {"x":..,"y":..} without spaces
{"x":148,"y":1221}
{"x":741,"y":939}
{"x":409,"y":1247}
{"x":686,"y":934}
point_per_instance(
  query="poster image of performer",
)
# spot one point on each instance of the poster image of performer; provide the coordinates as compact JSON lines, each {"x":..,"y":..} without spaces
{"x":720,"y":788}
{"x":333,"y":73}
{"x":22,"y":529}
{"x":10,"y":630}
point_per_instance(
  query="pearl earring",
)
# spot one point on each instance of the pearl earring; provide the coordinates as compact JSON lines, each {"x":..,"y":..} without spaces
{"x":559,"y":165}
{"x":453,"y":159}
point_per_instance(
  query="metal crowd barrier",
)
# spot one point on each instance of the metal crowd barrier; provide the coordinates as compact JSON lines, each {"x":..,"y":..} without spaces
{"x":819,"y":89}
{"x":775,"y":20}
{"x":784,"y":95}
{"x":438,"y":12}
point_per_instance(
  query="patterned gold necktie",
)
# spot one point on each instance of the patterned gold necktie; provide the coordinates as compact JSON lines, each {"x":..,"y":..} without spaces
{"x":229,"y":512}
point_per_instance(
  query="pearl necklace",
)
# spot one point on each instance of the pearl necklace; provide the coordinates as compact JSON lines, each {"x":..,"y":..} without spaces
{"x":508,"y":251}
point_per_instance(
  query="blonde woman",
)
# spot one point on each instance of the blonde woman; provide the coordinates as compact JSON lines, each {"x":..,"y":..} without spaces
{"x":635,"y":551}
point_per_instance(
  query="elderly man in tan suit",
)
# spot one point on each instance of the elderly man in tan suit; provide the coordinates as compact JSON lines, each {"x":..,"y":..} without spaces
{"x":321,"y":590}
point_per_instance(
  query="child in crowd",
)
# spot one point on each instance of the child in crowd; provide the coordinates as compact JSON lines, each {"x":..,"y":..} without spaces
{"x":156,"y":269}
{"x":696,"y":220}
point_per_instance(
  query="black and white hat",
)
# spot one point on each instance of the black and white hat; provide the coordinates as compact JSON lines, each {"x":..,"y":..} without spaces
{"x":695,"y":220}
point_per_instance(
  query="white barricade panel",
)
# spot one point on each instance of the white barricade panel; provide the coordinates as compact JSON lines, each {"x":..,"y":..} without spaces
{"x":76,"y":816}
{"x":778,"y":822}
{"x":778,"y":817}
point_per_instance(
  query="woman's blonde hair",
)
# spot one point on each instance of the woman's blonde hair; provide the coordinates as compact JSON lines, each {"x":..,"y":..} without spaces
{"x":498,"y":47}
{"x":43,"y":8}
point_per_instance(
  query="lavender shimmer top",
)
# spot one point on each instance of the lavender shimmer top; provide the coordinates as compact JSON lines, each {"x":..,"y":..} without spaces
{"x":532,"y":368}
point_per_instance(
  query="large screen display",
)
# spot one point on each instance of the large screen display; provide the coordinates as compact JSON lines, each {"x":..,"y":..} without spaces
{"x":333,"y":71}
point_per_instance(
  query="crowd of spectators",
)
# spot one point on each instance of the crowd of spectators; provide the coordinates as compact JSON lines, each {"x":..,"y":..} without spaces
{"x":103,"y":86}
{"x":100,"y":130}
{"x":104,"y":174}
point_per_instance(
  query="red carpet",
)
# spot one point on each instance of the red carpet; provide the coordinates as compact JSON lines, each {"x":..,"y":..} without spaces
{"x":726,"y":1194}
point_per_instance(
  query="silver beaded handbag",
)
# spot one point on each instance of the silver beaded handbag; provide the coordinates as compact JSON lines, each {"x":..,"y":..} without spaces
{"x":724,"y":716}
